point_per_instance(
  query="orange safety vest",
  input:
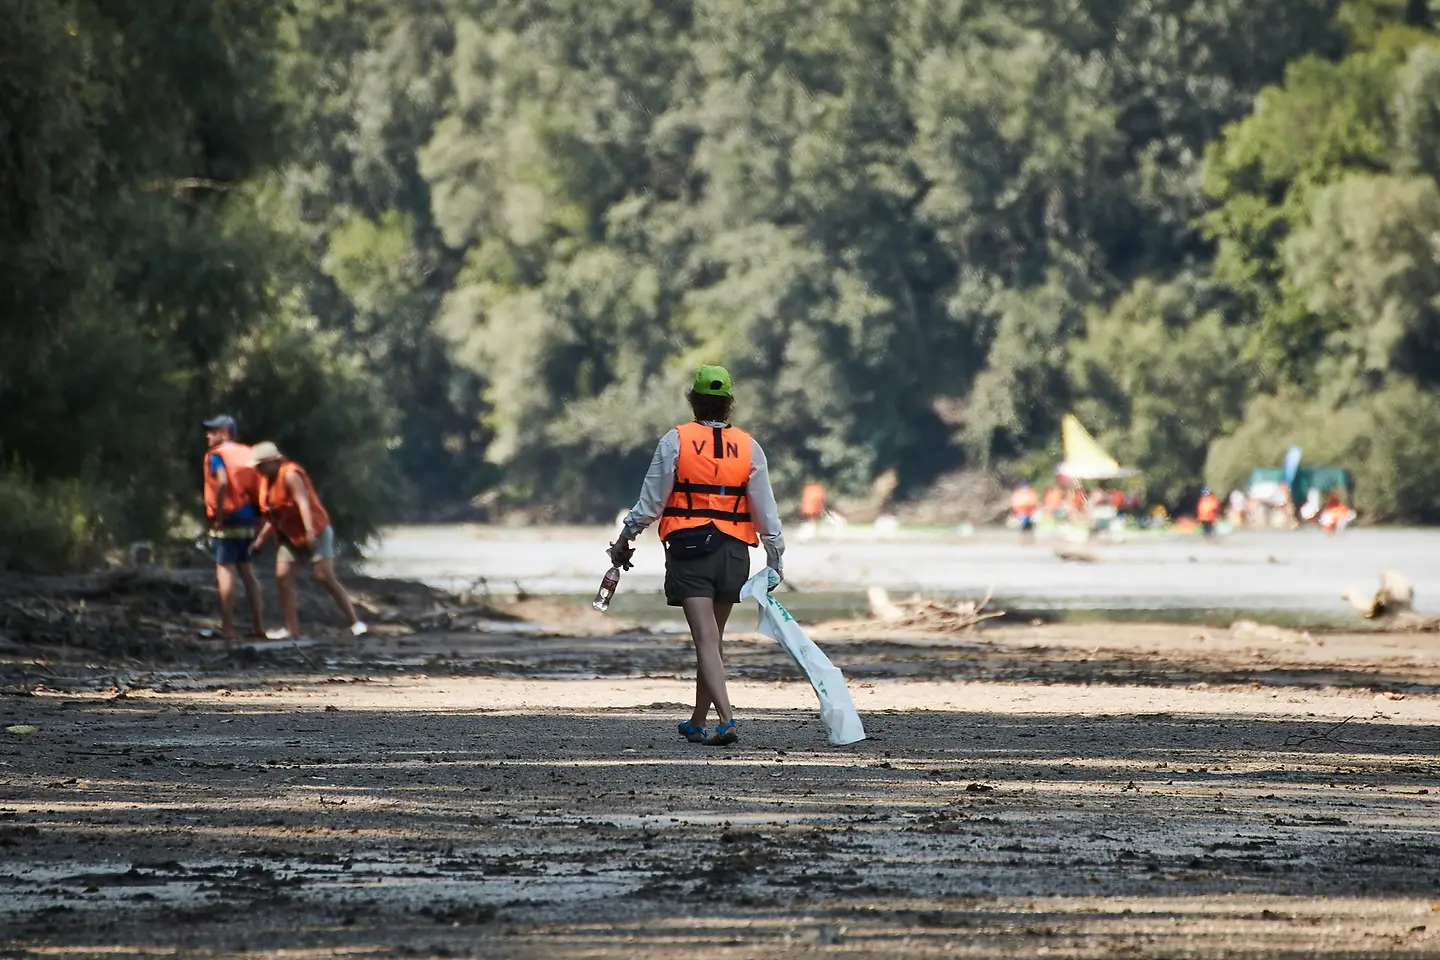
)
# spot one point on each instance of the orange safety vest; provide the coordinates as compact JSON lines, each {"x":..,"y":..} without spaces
{"x":1024,"y":501}
{"x":812,"y":501}
{"x":1054,"y":499}
{"x":283,"y":511}
{"x":243,"y":480}
{"x":711,"y":474}
{"x":1208,"y":509}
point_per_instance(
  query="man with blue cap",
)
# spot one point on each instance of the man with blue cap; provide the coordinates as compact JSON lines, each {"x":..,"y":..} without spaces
{"x":231,"y":496}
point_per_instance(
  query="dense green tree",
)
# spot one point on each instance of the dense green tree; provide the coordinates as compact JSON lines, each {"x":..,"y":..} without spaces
{"x":503,"y":234}
{"x":369,"y":80}
{"x":136,"y":260}
{"x":1157,"y":380}
{"x":128,"y":267}
{"x":1365,"y":267}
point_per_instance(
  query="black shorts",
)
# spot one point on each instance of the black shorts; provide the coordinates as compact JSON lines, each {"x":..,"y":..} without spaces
{"x":717,"y":576}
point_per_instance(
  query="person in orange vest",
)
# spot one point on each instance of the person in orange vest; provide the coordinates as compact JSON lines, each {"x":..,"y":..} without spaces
{"x":294,"y":513}
{"x":1055,"y":502}
{"x":1207,"y":511}
{"x":709,"y":486}
{"x":231,"y":492}
{"x":812,"y":501}
{"x":1335,"y":515}
{"x":1023,"y":504}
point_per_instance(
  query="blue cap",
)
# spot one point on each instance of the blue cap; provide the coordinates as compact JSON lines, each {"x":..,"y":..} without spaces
{"x":221,"y":422}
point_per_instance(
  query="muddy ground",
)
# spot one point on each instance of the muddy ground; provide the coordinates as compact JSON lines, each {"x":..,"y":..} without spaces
{"x":508,"y":783}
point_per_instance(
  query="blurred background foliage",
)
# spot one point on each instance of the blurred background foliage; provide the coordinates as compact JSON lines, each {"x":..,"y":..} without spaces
{"x":461,"y":255}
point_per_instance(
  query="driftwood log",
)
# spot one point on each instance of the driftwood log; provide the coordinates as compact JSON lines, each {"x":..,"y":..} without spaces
{"x":1396,"y":596}
{"x":1392,"y":605}
{"x":918,"y":613}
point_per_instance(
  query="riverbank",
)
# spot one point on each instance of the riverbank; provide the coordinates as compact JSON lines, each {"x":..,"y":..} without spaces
{"x":1146,"y":791}
{"x":486,"y":775}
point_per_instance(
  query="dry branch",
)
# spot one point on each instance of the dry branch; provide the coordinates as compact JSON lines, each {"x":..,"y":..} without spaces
{"x":918,"y":613}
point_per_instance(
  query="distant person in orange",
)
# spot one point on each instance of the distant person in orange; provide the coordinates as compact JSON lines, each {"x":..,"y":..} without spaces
{"x":294,"y":513}
{"x":1207,"y":511}
{"x":812,"y":501}
{"x":231,"y":492}
{"x":1055,"y":502}
{"x":1335,"y":516}
{"x":1023,"y":504}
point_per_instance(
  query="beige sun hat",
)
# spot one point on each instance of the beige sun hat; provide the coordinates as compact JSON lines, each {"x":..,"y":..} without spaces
{"x":264,"y":452}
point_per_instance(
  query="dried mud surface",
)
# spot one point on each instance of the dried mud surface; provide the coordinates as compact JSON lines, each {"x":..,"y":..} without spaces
{"x":516,"y":788}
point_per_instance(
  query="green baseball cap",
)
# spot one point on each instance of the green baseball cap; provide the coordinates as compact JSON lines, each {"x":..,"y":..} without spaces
{"x":712,"y":381}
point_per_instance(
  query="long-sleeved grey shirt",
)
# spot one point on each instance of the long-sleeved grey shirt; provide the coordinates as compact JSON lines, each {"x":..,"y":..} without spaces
{"x":660,"y":480}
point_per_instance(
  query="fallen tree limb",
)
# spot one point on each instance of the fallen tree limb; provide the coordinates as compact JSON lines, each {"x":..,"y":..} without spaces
{"x":918,"y":613}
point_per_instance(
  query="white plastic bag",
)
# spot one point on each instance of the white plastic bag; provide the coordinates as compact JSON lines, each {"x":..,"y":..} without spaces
{"x":837,"y":710}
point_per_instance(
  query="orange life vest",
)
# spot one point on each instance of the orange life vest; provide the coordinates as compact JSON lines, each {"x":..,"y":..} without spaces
{"x":243,"y":480}
{"x":812,"y":501}
{"x":1024,"y":501}
{"x":1208,"y":510}
{"x":283,"y":510}
{"x":711,"y":474}
{"x":1054,"y":499}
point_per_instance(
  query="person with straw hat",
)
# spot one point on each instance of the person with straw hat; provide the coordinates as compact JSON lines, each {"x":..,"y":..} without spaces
{"x":709,"y":486}
{"x":294,"y":513}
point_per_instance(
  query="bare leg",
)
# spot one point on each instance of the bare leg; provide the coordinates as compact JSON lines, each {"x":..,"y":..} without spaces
{"x":325,"y":573}
{"x":702,"y":693}
{"x":285,"y":583}
{"x":252,"y":593}
{"x":702,"y":615}
{"x":225,"y":580}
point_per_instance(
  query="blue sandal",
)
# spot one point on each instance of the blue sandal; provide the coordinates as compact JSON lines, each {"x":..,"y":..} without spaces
{"x":724,"y":735}
{"x":691,"y":732}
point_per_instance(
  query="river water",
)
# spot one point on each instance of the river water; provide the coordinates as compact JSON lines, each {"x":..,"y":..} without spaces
{"x":1260,"y":570}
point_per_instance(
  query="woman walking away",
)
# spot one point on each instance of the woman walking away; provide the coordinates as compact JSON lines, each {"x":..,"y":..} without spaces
{"x":709,"y":486}
{"x":302,"y":528}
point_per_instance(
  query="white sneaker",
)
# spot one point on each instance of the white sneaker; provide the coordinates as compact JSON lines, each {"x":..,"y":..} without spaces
{"x":358,"y":629}
{"x":280,"y":633}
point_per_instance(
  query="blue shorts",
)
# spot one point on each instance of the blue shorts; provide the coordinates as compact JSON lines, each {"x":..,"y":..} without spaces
{"x":1027,"y":522}
{"x":230,"y":551}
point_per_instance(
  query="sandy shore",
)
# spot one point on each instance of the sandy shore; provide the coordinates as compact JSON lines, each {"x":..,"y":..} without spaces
{"x":1094,"y":790}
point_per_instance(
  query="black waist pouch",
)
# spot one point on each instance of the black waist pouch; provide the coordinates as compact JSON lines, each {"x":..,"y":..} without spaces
{"x":694,"y":542}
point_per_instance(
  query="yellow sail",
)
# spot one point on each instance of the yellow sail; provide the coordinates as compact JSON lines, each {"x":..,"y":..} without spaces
{"x":1084,"y":459}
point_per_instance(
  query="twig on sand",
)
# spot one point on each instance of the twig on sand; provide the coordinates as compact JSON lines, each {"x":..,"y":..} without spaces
{"x":1294,"y":741}
{"x":302,"y":654}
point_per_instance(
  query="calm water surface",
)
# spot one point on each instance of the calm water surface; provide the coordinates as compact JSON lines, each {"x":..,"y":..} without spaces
{"x":1281,"y":571}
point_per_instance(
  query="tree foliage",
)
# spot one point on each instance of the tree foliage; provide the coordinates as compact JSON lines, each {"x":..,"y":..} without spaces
{"x":135,"y":256}
{"x":440,"y":247}
{"x":890,"y":222}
